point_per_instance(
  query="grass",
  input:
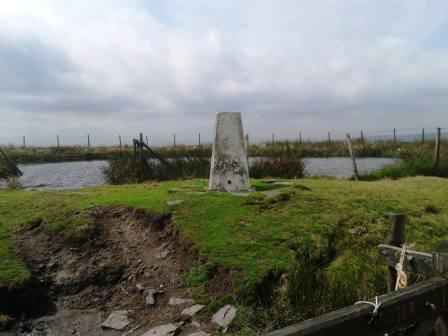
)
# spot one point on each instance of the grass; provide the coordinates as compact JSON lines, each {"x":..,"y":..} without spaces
{"x":323,"y":236}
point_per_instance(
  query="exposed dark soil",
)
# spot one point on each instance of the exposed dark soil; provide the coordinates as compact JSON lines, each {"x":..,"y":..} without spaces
{"x":76,"y":282}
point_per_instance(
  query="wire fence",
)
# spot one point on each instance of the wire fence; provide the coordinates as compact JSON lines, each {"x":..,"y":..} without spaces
{"x":173,"y":139}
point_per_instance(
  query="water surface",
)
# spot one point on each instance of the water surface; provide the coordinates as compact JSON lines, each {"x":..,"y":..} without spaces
{"x":71,"y":175}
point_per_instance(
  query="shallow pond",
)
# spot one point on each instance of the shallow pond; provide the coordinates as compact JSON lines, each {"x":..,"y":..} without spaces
{"x":70,"y":175}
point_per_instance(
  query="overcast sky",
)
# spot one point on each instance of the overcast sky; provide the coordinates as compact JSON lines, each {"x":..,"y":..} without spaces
{"x":109,"y":67}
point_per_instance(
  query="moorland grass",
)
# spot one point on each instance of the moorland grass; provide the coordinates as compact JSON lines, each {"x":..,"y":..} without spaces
{"x":323,"y":236}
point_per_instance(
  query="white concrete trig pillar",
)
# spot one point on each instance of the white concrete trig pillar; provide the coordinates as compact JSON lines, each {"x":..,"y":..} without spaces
{"x":229,"y":169}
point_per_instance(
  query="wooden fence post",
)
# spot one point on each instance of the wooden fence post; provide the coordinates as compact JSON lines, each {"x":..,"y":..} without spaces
{"x":329,"y":137}
{"x":141,"y":147}
{"x":23,"y":142}
{"x":88,"y":140}
{"x":57,"y":138}
{"x":147,"y":142}
{"x":273,"y":140}
{"x":300,"y":137}
{"x":352,"y":156}
{"x":174,"y":139}
{"x":395,"y":237}
{"x":437,"y":149}
{"x":395,"y":135}
{"x":199,"y":138}
{"x":362,"y":136}
{"x":423,"y":135}
{"x":119,"y":140}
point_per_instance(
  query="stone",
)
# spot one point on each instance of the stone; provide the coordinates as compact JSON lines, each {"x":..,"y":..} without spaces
{"x":175,"y":202}
{"x":151,"y":297}
{"x":193,"y":310}
{"x":229,"y":169}
{"x":199,"y":333}
{"x":224,"y":317}
{"x":163,"y":254}
{"x":174,"y":301}
{"x":195,"y":324}
{"x":140,"y":287}
{"x":117,"y":320}
{"x":168,"y":329}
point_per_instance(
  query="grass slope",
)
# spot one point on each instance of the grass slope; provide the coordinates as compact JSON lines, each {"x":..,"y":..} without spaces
{"x":332,"y":229}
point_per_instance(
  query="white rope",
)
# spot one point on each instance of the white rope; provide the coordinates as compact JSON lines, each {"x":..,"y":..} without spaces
{"x":402,"y":279}
{"x":376,"y":305}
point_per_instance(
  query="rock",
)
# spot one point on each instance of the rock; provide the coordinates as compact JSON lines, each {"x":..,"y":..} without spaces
{"x":178,"y":301}
{"x":193,"y":310}
{"x":140,"y":287}
{"x":151,"y":297}
{"x":195,"y":324}
{"x":168,"y":329}
{"x":163,"y":254}
{"x":224,"y":316}
{"x":199,"y":333}
{"x":175,"y":202}
{"x":117,"y":320}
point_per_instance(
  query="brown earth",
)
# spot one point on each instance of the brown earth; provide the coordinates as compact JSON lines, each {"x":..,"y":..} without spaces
{"x":76,"y":282}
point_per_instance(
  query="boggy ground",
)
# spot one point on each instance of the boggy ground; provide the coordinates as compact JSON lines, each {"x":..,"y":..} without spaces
{"x":76,"y":282}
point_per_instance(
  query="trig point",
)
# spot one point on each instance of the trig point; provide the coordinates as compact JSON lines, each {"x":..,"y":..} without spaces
{"x":229,"y":169}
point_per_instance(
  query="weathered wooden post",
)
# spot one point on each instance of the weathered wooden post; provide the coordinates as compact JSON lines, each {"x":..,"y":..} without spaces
{"x":57,"y":139}
{"x":395,"y":135}
{"x":329,"y":137}
{"x":119,"y":140}
{"x":395,"y":237}
{"x":362,"y":136}
{"x":352,"y":157}
{"x":273,"y":140}
{"x":300,"y":137}
{"x":24,"y":142}
{"x":229,"y":169}
{"x":174,"y":139}
{"x":423,"y":135}
{"x":199,"y":138}
{"x":437,"y":148}
{"x":141,"y":148}
{"x":147,"y":142}
{"x":88,"y":140}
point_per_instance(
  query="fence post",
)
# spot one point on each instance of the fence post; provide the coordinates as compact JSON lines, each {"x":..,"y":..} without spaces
{"x":300,"y":137}
{"x":273,"y":140}
{"x":329,"y":137}
{"x":141,"y":147}
{"x":88,"y":140}
{"x":437,"y":149}
{"x":147,"y":142}
{"x":423,"y":135}
{"x":23,"y":141}
{"x":352,"y":156}
{"x":119,"y":140}
{"x":199,"y":138}
{"x":174,"y":139}
{"x":362,"y":136}
{"x":57,"y":138}
{"x":395,"y":135}
{"x":395,"y":237}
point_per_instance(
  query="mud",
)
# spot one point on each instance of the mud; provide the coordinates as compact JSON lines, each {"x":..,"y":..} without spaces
{"x":78,"y":280}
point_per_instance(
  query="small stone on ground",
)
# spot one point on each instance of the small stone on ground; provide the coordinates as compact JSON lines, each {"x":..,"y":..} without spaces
{"x":199,"y":333}
{"x":117,"y":320}
{"x":193,"y":310}
{"x":168,"y":329}
{"x":224,"y":316}
{"x":175,"y":202}
{"x":174,"y":301}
